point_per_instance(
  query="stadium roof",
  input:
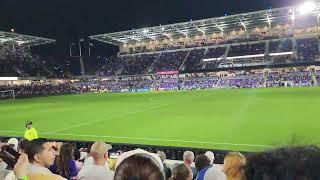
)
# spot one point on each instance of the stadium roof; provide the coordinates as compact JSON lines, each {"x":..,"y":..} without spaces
{"x":207,"y":26}
{"x":23,"y":40}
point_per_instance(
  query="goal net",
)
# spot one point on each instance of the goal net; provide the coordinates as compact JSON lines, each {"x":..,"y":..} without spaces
{"x":8,"y":94}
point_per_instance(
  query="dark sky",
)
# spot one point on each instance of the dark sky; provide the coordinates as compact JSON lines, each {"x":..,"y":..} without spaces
{"x":66,"y":20}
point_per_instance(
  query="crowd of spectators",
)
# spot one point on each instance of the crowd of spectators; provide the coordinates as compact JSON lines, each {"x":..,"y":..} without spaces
{"x":42,"y":159}
{"x":170,"y":61}
{"x":308,"y":49}
{"x":139,"y":64}
{"x":225,"y":38}
{"x":40,"y":89}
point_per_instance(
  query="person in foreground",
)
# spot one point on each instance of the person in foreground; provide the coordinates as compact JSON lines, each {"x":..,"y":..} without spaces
{"x":139,"y":165}
{"x":234,"y":166}
{"x":188,"y":158}
{"x":30,"y":133}
{"x":181,"y":172}
{"x":21,"y":171}
{"x":294,"y":163}
{"x":97,"y":170}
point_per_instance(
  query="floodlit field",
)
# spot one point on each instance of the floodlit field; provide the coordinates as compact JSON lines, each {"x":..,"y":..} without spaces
{"x":237,"y":119}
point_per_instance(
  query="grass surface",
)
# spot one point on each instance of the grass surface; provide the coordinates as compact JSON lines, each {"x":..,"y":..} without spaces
{"x":238,"y":119}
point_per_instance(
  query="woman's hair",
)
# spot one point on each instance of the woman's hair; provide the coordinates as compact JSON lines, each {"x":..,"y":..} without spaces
{"x":234,"y":164}
{"x":181,"y":172}
{"x":66,"y":154}
{"x":139,"y":167}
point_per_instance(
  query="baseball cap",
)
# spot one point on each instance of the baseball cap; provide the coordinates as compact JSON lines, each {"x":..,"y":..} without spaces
{"x":28,"y":123}
{"x":14,"y":142}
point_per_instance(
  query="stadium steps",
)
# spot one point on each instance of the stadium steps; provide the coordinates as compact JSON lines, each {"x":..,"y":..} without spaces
{"x":205,"y":53}
{"x":119,"y":71}
{"x":266,"y":50}
{"x":182,"y":64}
{"x":314,"y":77}
{"x":318,"y":43}
{"x":227,"y":51}
{"x":151,"y":68}
{"x":295,"y":48}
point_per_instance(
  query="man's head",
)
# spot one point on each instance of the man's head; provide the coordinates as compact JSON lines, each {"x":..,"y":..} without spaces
{"x":210,"y":155}
{"x":40,"y":152}
{"x":202,"y":161}
{"x":22,"y":144}
{"x":182,"y":172}
{"x":29,"y":124}
{"x":99,"y":152}
{"x":188,"y":157}
{"x":162,"y":155}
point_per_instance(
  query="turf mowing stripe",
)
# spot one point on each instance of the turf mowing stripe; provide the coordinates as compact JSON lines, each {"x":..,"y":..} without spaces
{"x":151,"y":139}
{"x":122,"y":115}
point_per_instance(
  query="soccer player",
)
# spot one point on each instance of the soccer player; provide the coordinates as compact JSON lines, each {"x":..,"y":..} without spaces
{"x":31,"y":132}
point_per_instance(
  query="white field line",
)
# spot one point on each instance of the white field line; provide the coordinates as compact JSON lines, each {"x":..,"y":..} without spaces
{"x":119,"y":116}
{"x":152,"y":139}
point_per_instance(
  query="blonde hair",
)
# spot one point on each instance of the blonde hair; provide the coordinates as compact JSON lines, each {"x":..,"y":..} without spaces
{"x":98,"y":150}
{"x":233,"y":166}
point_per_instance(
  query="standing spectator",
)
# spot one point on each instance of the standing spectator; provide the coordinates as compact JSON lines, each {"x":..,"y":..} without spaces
{"x":188,"y":158}
{"x":182,"y":172}
{"x":97,"y":170}
{"x":65,"y":164}
{"x":234,"y":166}
{"x":167,"y":171}
{"x":31,"y":132}
{"x":202,"y":165}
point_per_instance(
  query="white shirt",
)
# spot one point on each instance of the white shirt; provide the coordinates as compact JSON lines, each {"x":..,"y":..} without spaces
{"x":89,"y":172}
{"x":34,"y":169}
{"x":213,"y":173}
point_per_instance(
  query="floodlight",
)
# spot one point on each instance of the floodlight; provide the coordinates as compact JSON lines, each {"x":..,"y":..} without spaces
{"x":307,"y":8}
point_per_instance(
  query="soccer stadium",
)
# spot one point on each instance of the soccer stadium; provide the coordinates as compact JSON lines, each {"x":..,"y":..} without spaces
{"x":233,"y":97}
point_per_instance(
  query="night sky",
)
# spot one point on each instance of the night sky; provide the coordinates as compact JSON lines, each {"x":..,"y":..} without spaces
{"x":67,"y":20}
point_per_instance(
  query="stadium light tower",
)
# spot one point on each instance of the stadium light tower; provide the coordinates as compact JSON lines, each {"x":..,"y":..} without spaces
{"x":307,"y":8}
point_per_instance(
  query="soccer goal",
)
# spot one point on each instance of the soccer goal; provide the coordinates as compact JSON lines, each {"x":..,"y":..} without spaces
{"x":8,"y":94}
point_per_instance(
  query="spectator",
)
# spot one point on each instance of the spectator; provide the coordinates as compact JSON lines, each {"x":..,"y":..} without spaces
{"x":3,"y":170}
{"x":234,"y":164}
{"x":13,"y":142}
{"x":22,"y":144}
{"x":202,"y":165}
{"x":65,"y":165}
{"x":210,"y":155}
{"x":188,"y":158}
{"x":182,"y":172}
{"x":167,"y":171}
{"x":293,"y":163}
{"x":21,"y":171}
{"x":31,"y":132}
{"x":97,"y":171}
{"x":41,"y":156}
{"x":142,"y":166}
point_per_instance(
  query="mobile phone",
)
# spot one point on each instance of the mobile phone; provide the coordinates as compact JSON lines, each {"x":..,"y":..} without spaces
{"x":9,"y":156}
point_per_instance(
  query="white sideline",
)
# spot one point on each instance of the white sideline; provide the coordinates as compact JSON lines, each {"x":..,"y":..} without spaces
{"x":151,"y":139}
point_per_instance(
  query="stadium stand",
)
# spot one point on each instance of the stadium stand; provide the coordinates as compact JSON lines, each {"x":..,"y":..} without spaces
{"x":170,"y":61}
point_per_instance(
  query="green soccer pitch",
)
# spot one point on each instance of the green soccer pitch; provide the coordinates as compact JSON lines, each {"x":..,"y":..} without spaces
{"x":229,"y":119}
